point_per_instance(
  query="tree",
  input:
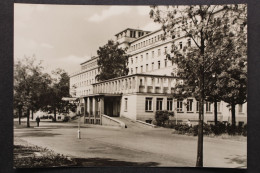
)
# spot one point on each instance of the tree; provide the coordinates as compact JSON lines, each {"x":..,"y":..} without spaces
{"x":29,"y":84}
{"x":58,"y":89}
{"x":112,"y":61}
{"x":208,"y":26}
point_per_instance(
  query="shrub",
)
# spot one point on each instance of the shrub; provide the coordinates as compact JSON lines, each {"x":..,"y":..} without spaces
{"x":162,"y":116}
{"x":219,"y":129}
{"x":66,"y":119}
{"x":207,"y":129}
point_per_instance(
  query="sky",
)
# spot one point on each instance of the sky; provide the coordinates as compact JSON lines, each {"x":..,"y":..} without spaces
{"x":63,"y":36}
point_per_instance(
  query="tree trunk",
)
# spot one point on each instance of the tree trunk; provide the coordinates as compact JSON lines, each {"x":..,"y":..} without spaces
{"x":54,"y":118}
{"x":19,"y":114}
{"x":216,"y":112}
{"x":28,"y":117}
{"x":199,"y":162}
{"x":32,"y":114}
{"x":233,"y":112}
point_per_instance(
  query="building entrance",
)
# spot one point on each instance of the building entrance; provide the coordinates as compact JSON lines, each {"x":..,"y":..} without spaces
{"x":112,"y":106}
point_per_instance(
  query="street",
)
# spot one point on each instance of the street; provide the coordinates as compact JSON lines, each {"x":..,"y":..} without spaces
{"x":133,"y":146}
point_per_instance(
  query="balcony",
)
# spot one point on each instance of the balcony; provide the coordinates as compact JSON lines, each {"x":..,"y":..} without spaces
{"x":137,"y":83}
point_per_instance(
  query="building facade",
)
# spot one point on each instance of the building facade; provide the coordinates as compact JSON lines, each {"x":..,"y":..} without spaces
{"x":148,"y":87}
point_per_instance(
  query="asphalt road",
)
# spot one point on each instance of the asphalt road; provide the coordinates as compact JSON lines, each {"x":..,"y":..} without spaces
{"x":133,"y":146}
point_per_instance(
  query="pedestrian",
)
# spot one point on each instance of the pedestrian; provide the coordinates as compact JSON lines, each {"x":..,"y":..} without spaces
{"x":188,"y":123}
{"x":38,"y":121}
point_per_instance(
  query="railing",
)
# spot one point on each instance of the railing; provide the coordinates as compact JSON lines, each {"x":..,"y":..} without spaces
{"x":137,"y":83}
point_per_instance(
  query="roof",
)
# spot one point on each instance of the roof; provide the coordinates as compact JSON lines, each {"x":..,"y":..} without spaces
{"x":145,"y":35}
{"x":89,"y":60}
{"x":131,"y":29}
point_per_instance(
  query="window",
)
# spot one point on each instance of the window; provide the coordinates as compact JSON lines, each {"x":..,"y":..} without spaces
{"x":141,"y":82}
{"x":159,"y":52}
{"x":148,"y":104}
{"x":136,"y":59}
{"x":240,"y":108}
{"x":180,"y":43}
{"x":189,"y":43}
{"x":165,"y":50}
{"x":132,"y":71}
{"x":189,"y":105}
{"x":179,"y":105}
{"x":146,"y":56}
{"x":126,"y":104}
{"x":159,"y":64}
{"x":147,"y":67}
{"x":152,"y":54}
{"x":136,"y":69}
{"x":165,"y":63}
{"x":132,"y":61}
{"x":208,"y":107}
{"x":141,"y":69}
{"x":141,"y":58}
{"x":169,"y":104}
{"x":152,"y":65}
{"x":159,"y":102}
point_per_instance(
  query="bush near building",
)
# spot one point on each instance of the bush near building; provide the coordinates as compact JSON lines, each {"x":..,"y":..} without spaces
{"x":162,"y":116}
{"x":209,"y":129}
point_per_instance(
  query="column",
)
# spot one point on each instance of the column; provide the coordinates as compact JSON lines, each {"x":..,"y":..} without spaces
{"x":161,"y":85}
{"x":101,"y":108}
{"x":153,"y":85}
{"x":88,"y":108}
{"x":145,"y":85}
{"x":169,"y":86}
{"x":94,"y":108}
{"x":85,"y":109}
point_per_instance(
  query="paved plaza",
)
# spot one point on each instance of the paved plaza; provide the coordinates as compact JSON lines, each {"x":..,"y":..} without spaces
{"x":135,"y":145}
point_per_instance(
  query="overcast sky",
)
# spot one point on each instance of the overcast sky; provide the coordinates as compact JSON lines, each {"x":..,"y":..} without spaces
{"x":63,"y":36}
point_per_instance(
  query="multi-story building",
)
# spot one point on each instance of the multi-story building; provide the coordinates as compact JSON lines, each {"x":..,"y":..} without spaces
{"x":148,"y":87}
{"x":81,"y":81}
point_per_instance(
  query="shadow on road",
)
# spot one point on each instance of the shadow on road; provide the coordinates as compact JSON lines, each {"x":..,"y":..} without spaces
{"x":36,"y":134}
{"x":238,"y":159}
{"x":107,"y":162}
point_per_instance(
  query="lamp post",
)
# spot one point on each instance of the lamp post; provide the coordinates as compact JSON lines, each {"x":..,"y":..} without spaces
{"x":77,"y":101}
{"x":79,"y":135}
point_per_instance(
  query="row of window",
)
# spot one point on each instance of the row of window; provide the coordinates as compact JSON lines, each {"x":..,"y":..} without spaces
{"x":169,"y":106}
{"x":85,"y":75}
{"x":158,"y":52}
{"x":85,"y":83}
{"x":89,"y":65}
{"x":83,"y":92}
{"x":146,"y":42}
{"x":148,"y":67}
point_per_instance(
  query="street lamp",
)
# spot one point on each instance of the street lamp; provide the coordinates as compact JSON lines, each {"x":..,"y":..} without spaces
{"x":79,"y":136}
{"x":77,"y":101}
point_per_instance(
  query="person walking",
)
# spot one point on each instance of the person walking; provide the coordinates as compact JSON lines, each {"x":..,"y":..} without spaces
{"x":38,"y":121}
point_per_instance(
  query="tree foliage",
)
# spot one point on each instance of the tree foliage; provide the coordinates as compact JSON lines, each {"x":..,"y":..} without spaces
{"x":58,"y":89}
{"x":35,"y":90}
{"x":29,"y":85}
{"x":112,"y":61}
{"x":214,"y":31}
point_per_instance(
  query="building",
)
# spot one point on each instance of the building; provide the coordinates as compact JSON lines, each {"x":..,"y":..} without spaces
{"x":148,"y":86}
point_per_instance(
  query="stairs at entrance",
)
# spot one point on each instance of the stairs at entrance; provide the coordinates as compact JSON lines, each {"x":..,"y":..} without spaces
{"x":131,"y":123}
